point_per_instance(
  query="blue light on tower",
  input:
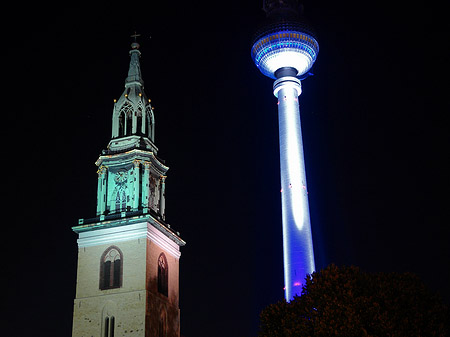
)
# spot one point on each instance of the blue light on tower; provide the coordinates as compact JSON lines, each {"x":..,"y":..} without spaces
{"x":285,"y":50}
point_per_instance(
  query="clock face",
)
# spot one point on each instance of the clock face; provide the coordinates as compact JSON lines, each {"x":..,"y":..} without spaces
{"x":121,"y":177}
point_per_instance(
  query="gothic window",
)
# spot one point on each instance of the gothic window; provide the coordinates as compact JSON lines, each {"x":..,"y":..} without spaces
{"x":125,"y":116}
{"x":121,"y":200}
{"x":121,"y":124}
{"x":111,"y":269}
{"x":163,"y":275}
{"x":139,"y":125}
{"x":109,"y":326}
{"x":139,"y":119}
{"x":150,"y":126}
{"x":130,"y":123}
{"x":118,"y":201}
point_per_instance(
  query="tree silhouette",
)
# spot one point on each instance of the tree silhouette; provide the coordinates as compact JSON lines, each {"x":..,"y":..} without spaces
{"x":347,"y":302}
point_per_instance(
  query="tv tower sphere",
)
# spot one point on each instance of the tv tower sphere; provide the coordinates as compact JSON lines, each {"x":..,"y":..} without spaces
{"x":285,"y":45}
{"x":285,"y":50}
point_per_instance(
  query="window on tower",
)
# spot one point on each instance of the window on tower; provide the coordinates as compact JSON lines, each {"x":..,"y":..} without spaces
{"x":121,"y":200}
{"x":111,"y":268}
{"x":129,"y":123}
{"x":109,"y":326}
{"x":124,"y":122}
{"x":163,"y":275}
{"x":121,"y":124}
{"x":139,"y":119}
{"x":150,"y":126}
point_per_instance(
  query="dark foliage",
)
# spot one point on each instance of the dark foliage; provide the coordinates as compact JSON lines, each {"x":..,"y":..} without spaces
{"x":345,"y":301}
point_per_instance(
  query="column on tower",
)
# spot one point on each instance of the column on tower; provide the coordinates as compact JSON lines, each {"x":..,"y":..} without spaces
{"x":145,"y":185}
{"x":143,"y":122}
{"x":101,"y":189}
{"x":162,"y":196}
{"x":136,"y":189}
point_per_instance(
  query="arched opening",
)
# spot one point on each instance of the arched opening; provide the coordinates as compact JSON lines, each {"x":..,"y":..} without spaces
{"x":109,"y":319}
{"x":111,"y":268}
{"x":139,"y":118}
{"x":109,"y":326}
{"x":163,"y":275}
{"x":121,"y":200}
{"x":129,"y":123}
{"x":124,"y":122}
{"x":150,"y":125}
{"x":106,"y":327}
{"x":121,"y":132}
{"x":139,"y":125}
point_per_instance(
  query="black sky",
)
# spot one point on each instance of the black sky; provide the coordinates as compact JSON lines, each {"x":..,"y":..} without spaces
{"x":374,"y":130}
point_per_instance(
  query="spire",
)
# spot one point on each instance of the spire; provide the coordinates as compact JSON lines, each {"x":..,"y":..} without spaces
{"x":134,"y":72}
{"x":133,"y":123}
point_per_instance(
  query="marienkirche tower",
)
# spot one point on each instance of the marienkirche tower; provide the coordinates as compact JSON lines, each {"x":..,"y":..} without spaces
{"x":128,"y":256}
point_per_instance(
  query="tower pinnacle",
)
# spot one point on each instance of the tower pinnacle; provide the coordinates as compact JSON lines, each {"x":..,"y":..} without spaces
{"x":134,"y":71}
{"x":133,"y":122}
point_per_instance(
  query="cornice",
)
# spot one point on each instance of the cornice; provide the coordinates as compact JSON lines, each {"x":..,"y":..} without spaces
{"x":108,"y":232}
{"x":129,"y":157}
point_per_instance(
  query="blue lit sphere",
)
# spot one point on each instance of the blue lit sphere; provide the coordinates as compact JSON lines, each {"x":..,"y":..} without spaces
{"x":282,"y":45}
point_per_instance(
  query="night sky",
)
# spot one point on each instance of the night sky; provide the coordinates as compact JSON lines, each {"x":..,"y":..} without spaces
{"x":374,"y":132}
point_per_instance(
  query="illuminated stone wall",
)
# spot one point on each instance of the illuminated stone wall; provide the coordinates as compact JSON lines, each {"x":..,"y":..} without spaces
{"x":137,"y":306}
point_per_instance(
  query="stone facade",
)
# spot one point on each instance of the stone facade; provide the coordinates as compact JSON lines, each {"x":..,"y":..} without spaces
{"x":138,"y":308}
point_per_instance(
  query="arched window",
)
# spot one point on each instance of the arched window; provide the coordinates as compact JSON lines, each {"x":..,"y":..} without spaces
{"x":139,"y":119}
{"x":108,"y":319}
{"x":109,"y":326}
{"x":121,"y":124}
{"x":121,"y":200}
{"x":163,"y":275}
{"x":111,"y":268}
{"x":124,"y":121}
{"x":130,"y":123}
{"x":150,"y":124}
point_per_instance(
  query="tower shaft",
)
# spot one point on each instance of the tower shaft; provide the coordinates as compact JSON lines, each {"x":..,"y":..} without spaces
{"x":297,"y":240}
{"x":285,"y":50}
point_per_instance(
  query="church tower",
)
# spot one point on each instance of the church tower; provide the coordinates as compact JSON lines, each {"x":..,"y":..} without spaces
{"x":128,"y":256}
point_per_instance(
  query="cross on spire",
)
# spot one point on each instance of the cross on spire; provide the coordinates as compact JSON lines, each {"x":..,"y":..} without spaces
{"x":135,"y":45}
{"x":135,"y":35}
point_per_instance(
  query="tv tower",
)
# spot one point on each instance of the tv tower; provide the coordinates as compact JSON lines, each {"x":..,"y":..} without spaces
{"x":285,"y":50}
